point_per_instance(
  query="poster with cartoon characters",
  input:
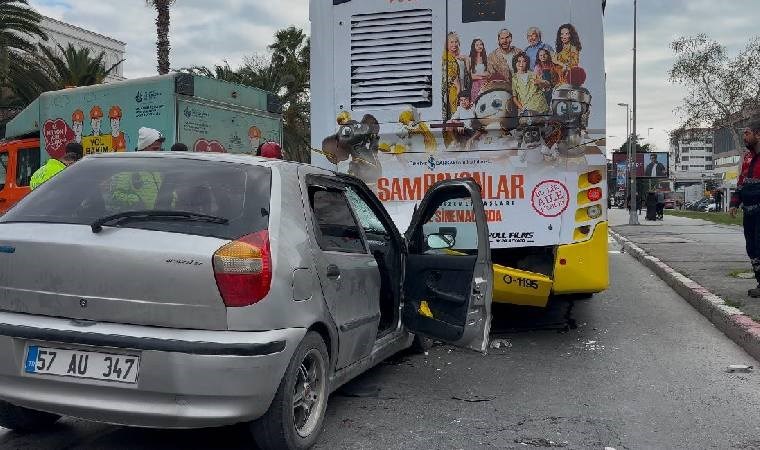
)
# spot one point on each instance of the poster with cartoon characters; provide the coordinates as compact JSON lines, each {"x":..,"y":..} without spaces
{"x":211,"y":128}
{"x":106,"y":118}
{"x":508,"y":92}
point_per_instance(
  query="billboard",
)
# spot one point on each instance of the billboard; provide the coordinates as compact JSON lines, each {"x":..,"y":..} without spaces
{"x":648,"y":165}
{"x":508,"y":92}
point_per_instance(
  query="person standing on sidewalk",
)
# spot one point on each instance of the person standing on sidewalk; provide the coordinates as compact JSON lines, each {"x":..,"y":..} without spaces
{"x":747,"y":196}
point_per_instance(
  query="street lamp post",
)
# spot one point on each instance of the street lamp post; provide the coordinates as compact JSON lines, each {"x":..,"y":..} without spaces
{"x":633,"y":218}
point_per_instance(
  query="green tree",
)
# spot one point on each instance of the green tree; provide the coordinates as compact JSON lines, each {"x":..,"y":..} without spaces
{"x":72,"y":67}
{"x":162,"y":33}
{"x":286,"y":73}
{"x":646,"y":148}
{"x":721,"y":89}
{"x":22,"y":78}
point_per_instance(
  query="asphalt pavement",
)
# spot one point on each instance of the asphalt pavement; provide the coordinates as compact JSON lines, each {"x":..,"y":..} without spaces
{"x":635,"y":367}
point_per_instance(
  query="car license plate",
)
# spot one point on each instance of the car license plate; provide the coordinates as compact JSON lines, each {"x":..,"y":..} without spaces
{"x":82,"y":364}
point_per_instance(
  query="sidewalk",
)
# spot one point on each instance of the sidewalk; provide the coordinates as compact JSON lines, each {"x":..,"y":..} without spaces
{"x":714,"y":259}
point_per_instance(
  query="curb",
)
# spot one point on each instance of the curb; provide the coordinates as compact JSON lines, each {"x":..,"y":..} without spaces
{"x":731,"y":321}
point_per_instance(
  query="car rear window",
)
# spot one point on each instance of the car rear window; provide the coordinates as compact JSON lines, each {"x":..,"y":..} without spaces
{"x":98,"y":187}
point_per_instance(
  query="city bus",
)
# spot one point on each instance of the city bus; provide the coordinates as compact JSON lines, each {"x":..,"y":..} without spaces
{"x":509,"y":92}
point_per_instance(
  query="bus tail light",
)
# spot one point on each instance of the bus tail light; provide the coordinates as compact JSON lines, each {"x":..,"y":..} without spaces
{"x":243,"y":269}
{"x":594,"y":177}
{"x":594,"y":211}
{"x":594,"y":194}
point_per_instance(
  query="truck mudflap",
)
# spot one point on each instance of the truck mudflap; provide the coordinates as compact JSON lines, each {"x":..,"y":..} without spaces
{"x":518,"y":287}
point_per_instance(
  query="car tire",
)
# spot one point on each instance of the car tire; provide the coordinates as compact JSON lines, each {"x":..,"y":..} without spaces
{"x":421,"y":344}
{"x":24,"y":420}
{"x":291,"y":423}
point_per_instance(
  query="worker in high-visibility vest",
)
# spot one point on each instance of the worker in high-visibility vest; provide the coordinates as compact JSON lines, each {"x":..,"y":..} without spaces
{"x":138,"y":190}
{"x":53,"y":166}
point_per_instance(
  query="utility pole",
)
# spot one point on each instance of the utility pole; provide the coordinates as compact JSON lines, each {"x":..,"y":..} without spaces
{"x":634,"y":217}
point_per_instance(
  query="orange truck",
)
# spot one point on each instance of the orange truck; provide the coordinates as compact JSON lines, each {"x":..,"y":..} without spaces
{"x":18,"y":160}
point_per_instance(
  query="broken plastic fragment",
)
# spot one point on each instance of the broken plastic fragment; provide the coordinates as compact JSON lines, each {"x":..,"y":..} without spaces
{"x":425,"y":309}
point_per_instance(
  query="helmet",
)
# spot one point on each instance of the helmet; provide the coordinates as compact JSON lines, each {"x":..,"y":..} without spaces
{"x":114,"y":112}
{"x":271,"y":150}
{"x":96,"y":112}
{"x":77,"y":116}
{"x":343,"y":117}
{"x":254,"y":133}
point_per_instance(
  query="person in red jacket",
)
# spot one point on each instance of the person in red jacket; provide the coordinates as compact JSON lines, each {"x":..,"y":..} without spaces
{"x":747,"y":196}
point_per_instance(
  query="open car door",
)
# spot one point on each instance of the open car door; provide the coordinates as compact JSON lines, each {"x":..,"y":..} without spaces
{"x":448,"y":279}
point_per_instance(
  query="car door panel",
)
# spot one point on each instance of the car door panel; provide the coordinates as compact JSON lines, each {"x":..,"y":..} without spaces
{"x":347,"y":272}
{"x":447,"y":292}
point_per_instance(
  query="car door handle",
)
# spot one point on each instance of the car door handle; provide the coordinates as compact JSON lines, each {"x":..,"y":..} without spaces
{"x":333,"y":271}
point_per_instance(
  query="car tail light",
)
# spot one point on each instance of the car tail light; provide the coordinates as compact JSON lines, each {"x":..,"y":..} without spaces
{"x":243,"y":269}
{"x":594,"y":177}
{"x":594,"y":194}
{"x":594,"y":211}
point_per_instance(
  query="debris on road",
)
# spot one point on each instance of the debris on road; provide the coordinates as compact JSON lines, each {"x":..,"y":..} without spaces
{"x":473,"y":399}
{"x":739,"y":368}
{"x":539,"y":442}
{"x":500,"y":343}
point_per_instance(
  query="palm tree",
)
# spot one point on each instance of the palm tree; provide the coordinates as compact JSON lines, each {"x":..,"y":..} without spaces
{"x":21,"y":76}
{"x":162,"y":33}
{"x":286,"y":74}
{"x":71,"y":67}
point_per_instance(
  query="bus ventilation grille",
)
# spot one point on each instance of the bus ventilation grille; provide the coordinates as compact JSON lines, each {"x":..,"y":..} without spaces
{"x":392,"y":59}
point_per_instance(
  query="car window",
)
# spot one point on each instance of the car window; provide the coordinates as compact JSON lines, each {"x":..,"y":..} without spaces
{"x":27,"y":162}
{"x":3,"y":169}
{"x":368,"y":220}
{"x":453,"y":219}
{"x":98,"y":187}
{"x":337,"y":228}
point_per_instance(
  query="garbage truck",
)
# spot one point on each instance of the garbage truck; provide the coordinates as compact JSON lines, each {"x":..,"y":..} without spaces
{"x":205,"y":114}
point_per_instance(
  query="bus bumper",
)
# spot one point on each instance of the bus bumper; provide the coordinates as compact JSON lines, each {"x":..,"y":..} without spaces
{"x":581,"y":268}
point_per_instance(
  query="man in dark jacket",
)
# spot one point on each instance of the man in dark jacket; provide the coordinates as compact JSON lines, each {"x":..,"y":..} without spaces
{"x":747,"y":196}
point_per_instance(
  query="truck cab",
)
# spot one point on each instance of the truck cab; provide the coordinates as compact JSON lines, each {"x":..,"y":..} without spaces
{"x":18,"y":161}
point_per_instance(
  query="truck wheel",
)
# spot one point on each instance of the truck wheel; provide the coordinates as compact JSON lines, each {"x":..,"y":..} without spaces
{"x":24,"y":420}
{"x":294,"y":420}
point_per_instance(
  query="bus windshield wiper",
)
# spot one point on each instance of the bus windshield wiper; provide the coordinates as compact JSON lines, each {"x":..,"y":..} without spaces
{"x":147,"y":215}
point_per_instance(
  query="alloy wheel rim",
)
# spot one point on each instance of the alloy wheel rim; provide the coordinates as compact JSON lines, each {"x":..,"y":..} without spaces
{"x":309,"y":393}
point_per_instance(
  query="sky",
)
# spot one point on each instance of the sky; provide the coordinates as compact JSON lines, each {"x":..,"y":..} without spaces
{"x":208,"y":32}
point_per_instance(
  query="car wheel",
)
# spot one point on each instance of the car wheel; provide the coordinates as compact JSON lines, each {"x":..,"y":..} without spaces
{"x":295,"y":417}
{"x":24,"y":420}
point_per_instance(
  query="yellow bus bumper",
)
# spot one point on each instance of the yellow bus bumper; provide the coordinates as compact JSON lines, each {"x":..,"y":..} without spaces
{"x":581,"y":268}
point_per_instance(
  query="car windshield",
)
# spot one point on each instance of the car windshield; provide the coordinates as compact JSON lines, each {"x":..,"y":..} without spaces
{"x":95,"y":188}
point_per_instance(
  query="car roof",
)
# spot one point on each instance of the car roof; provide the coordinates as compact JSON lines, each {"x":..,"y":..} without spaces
{"x":240,"y":158}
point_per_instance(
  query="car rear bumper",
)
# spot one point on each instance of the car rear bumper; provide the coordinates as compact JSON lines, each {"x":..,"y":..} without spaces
{"x":187,"y":378}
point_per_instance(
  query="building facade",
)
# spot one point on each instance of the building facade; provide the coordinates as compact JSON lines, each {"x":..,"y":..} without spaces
{"x":64,"y":34}
{"x":692,"y":158}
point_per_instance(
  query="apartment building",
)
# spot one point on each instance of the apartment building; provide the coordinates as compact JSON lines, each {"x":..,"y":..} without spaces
{"x":692,"y":158}
{"x":63,"y":33}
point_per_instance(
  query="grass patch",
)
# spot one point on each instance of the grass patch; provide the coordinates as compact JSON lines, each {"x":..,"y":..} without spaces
{"x":735,"y":304}
{"x":739,"y":272}
{"x":755,"y":318}
{"x":716,"y":217}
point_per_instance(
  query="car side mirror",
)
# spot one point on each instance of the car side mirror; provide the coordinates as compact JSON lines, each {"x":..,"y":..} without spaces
{"x":440,"y":241}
